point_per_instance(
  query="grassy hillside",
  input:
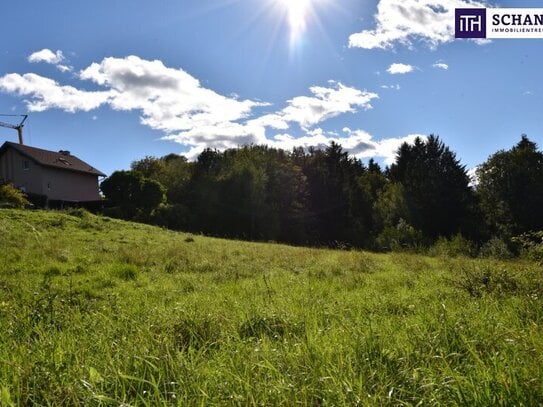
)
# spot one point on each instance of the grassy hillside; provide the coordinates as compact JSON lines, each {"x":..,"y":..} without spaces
{"x":99,"y":311}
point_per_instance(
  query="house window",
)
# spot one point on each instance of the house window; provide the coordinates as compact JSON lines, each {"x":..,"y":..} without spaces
{"x":26,"y":165}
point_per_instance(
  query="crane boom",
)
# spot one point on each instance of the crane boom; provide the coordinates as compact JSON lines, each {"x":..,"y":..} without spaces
{"x":11,"y":126}
{"x":18,"y":127}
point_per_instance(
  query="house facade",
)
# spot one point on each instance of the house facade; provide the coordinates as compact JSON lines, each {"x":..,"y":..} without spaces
{"x":59,"y":176}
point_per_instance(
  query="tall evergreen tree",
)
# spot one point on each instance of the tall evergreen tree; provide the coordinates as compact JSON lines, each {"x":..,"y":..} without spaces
{"x":436,"y":186}
{"x":510,"y":187}
{"x":338,"y":203}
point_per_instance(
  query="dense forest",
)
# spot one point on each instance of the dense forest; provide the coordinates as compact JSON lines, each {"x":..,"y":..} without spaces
{"x":325,"y":197}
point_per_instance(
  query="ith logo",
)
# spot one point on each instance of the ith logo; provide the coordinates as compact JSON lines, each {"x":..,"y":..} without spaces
{"x":470,"y":23}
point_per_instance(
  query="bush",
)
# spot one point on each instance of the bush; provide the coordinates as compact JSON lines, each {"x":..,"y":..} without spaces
{"x":80,"y":213}
{"x":175,"y":216}
{"x":402,"y":236}
{"x":11,"y":197}
{"x":495,"y":248}
{"x":530,"y":245}
{"x":486,"y":279}
{"x":113,"y":212}
{"x":453,"y":246}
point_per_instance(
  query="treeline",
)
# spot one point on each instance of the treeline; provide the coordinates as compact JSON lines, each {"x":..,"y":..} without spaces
{"x":329,"y":198}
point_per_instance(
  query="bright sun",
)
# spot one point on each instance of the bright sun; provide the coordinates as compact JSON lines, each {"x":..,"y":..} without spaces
{"x":298,"y":11}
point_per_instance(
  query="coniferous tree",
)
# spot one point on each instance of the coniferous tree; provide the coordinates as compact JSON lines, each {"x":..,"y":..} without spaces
{"x":338,"y":204}
{"x":438,"y":196}
{"x":510,"y":187}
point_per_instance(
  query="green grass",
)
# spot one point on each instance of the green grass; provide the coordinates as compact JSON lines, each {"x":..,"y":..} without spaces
{"x":98,"y":311}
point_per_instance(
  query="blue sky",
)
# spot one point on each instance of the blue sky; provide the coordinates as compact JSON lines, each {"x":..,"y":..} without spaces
{"x":114,"y":81}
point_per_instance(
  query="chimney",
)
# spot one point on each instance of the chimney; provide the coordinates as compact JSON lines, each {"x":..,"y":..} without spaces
{"x":64,"y":152}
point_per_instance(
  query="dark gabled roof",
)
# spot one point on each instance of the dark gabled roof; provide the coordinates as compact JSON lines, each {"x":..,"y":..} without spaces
{"x":61,"y":160}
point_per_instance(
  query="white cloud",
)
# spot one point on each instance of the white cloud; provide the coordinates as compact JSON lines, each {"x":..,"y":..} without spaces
{"x":174,"y":102}
{"x":325,"y":103}
{"x":47,"y":56}
{"x":47,"y":94}
{"x":473,"y":177}
{"x":65,"y":68}
{"x":441,"y":65}
{"x":405,"y":21}
{"x":396,"y":68}
{"x":362,"y":145}
{"x":358,"y":143}
{"x":481,"y":41}
{"x":306,"y":111}
{"x":220,"y":136}
{"x":50,"y":57}
{"x":391,"y":87}
{"x":169,"y":99}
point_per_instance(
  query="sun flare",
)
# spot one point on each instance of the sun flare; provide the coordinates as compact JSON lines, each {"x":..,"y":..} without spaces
{"x":299,"y":20}
{"x":297,"y":11}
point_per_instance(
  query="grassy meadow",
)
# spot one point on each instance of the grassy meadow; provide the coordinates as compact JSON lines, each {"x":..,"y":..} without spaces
{"x":98,"y":311}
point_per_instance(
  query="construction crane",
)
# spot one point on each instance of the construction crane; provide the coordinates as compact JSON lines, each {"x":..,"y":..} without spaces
{"x":18,"y":127}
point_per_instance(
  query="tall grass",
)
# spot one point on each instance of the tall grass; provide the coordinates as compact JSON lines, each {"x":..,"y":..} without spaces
{"x":97,"y":311}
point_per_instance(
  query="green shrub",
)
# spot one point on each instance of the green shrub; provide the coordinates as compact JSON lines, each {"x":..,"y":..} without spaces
{"x":530,"y":245}
{"x":11,"y":197}
{"x":400,"y":237}
{"x":499,"y":280}
{"x":175,"y":216}
{"x":454,"y":246}
{"x":488,"y":280}
{"x":81,"y":213}
{"x":113,"y":212}
{"x":495,"y":248}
